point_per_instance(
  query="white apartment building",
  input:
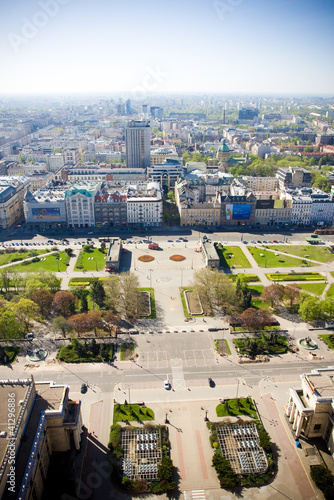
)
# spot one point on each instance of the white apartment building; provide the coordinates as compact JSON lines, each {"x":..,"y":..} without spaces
{"x":261,"y":183}
{"x":301,"y":210}
{"x":322,"y":212}
{"x":144,"y":204}
{"x":79,"y":200}
{"x":55,"y":161}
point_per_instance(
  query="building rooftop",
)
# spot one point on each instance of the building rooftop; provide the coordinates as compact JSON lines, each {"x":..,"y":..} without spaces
{"x":323,"y":382}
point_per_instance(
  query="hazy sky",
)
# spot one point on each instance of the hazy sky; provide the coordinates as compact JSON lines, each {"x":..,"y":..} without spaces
{"x":138,"y":46}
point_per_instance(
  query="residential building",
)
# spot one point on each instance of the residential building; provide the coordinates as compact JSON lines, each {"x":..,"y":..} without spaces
{"x":310,"y":409}
{"x":144,"y":205}
{"x":293,"y":177}
{"x":110,"y":206}
{"x":12,"y":190}
{"x":46,"y":421}
{"x":39,"y":179}
{"x":159,"y":155}
{"x":248,"y":114}
{"x":266,"y":184}
{"x":238,"y":210}
{"x":79,"y":201}
{"x":310,"y":206}
{"x":195,"y":208}
{"x":137,"y":137}
{"x":71,"y":156}
{"x":101,"y":173}
{"x":55,"y":161}
{"x":272,"y":212}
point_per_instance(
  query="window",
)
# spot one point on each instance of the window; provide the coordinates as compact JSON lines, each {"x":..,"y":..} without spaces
{"x":317,"y":427}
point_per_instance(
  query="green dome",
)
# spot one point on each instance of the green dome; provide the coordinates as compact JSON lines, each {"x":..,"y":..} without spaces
{"x":224,"y":148}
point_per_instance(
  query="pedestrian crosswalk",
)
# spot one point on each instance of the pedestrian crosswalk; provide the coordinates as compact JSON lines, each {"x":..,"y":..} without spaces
{"x":177,"y":374}
{"x":198,"y":495}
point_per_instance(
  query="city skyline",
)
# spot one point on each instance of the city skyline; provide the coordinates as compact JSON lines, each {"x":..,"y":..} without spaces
{"x":224,"y":46}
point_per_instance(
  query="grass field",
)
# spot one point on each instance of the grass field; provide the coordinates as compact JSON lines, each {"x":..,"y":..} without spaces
{"x":258,"y":289}
{"x":127,"y":350}
{"x":259,"y":304}
{"x":49,"y":264}
{"x":319,"y":253}
{"x":269,"y":259}
{"x":7,"y":258}
{"x":94,"y":260}
{"x":316,"y":288}
{"x":235,"y":407}
{"x":232,"y":257}
{"x":329,"y":339}
{"x":130,"y":413}
{"x":330,"y":291}
{"x":153,"y":310}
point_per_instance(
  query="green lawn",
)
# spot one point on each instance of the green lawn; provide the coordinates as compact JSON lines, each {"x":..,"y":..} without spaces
{"x":49,"y":264}
{"x":127,"y":350}
{"x":153,"y":310}
{"x":295,"y":277}
{"x":258,"y":289}
{"x":316,"y":288}
{"x":319,"y":253}
{"x":7,"y":258}
{"x":230,"y":408}
{"x":329,"y":339}
{"x":269,"y":259}
{"x":96,"y":261}
{"x":132,"y":412}
{"x":232,"y":257}
{"x":259,"y":304}
{"x":11,"y":353}
{"x":247,"y":278}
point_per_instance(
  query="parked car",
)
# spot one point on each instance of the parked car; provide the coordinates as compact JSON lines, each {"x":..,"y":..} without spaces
{"x":275,"y":241}
{"x":166,"y":385}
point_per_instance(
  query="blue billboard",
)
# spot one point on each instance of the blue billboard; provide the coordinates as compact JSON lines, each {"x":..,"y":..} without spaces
{"x":238,"y":212}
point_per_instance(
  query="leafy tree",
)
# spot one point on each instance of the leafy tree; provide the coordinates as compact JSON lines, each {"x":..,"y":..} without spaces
{"x":255,"y":319}
{"x":94,"y":317}
{"x":292,"y":292}
{"x":84,"y":304}
{"x":43,"y":299}
{"x":111,"y":321}
{"x":204,"y":286}
{"x":60,"y":324}
{"x":87,"y":248}
{"x":226,"y":293}
{"x":112,"y":289}
{"x":102,"y":247}
{"x":327,"y":307}
{"x":10,"y":326}
{"x":25,"y":311}
{"x":64,"y":303}
{"x":227,"y":477}
{"x":69,"y":251}
{"x":80,"y":323}
{"x":273,"y":294}
{"x":129,"y":298}
{"x":5,"y":278}
{"x":97,"y":293}
{"x":310,"y":308}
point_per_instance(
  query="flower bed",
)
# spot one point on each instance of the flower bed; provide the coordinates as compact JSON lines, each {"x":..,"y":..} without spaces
{"x":177,"y":258}
{"x":295,"y":277}
{"x":146,"y":258}
{"x":193,"y":302}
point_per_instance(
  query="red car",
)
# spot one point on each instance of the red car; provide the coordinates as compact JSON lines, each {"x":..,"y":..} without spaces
{"x":275,"y":241}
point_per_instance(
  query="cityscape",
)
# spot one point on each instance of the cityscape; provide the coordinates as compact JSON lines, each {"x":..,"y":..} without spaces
{"x":167,"y":250}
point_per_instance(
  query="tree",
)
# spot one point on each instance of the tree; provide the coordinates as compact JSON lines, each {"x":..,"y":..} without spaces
{"x":112,"y":289}
{"x":80,"y":323}
{"x":204,"y":285}
{"x":102,"y":247}
{"x":111,"y":321}
{"x":10,"y":326}
{"x":97,"y":293}
{"x":87,"y":248}
{"x":5,"y":278}
{"x":44,"y":280}
{"x":43,"y":299}
{"x":327,"y":307}
{"x":84,"y":304}
{"x":226,"y":293}
{"x":64,"y":303}
{"x":310,"y":308}
{"x":94,"y":317}
{"x":273,"y":294}
{"x":227,"y":477}
{"x":130,"y":296}
{"x":69,"y":251}
{"x":291,"y":292}
{"x":60,"y":324}
{"x":25,"y":311}
{"x":255,"y":319}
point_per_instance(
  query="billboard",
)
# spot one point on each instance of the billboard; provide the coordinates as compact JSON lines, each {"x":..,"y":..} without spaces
{"x":237,"y":212}
{"x":282,"y":204}
{"x":46,"y":213}
{"x":264,"y":204}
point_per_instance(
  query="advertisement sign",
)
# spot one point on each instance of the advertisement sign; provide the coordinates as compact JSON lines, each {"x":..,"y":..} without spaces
{"x":237,"y":212}
{"x":46,"y":213}
{"x":264,"y":204}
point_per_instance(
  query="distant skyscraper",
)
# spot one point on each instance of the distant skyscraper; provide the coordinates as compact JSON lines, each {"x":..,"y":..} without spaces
{"x":138,"y":144}
{"x":128,"y":107}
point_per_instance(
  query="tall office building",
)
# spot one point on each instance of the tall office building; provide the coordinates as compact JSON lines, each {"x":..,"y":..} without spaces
{"x":138,"y":137}
{"x":128,"y":107}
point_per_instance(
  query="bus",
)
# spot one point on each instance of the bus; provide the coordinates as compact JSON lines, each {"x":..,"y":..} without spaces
{"x":324,"y":231}
{"x":104,"y":239}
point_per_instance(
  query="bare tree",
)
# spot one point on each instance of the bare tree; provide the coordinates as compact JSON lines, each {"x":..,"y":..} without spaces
{"x":204,"y":281}
{"x":273,"y":294}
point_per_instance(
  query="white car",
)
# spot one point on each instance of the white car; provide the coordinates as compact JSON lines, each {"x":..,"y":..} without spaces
{"x":166,"y":384}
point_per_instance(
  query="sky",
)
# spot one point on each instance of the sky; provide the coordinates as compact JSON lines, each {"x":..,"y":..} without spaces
{"x":144,"y":46}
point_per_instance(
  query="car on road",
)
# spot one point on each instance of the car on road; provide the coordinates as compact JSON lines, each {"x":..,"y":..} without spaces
{"x":166,"y":384}
{"x":178,"y":241}
{"x":245,"y":242}
{"x":259,"y":241}
{"x":275,"y":241}
{"x":185,"y":240}
{"x":169,"y":241}
{"x":211,"y":382}
{"x":90,"y":232}
{"x":83,"y":389}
